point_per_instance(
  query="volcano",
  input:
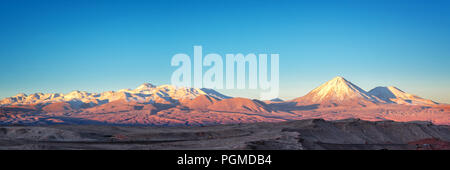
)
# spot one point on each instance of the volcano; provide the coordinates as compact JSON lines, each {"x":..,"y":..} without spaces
{"x":338,"y":91}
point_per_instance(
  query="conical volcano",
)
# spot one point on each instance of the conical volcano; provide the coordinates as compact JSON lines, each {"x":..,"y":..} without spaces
{"x":338,"y":91}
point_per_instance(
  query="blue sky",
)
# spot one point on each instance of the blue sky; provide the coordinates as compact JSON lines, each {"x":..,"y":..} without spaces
{"x":99,"y":45}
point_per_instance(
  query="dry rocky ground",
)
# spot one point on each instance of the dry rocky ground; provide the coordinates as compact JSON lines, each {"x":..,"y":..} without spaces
{"x":290,"y":135}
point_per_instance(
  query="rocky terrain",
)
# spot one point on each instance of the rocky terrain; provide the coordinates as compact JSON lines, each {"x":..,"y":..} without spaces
{"x":313,"y":134}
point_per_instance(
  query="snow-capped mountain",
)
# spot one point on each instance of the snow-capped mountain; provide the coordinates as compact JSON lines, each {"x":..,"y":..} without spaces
{"x":169,"y":105}
{"x":392,"y":94}
{"x":338,"y":91}
{"x":145,"y":93}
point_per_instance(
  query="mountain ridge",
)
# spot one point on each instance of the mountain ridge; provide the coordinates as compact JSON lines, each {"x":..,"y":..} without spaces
{"x":145,"y":93}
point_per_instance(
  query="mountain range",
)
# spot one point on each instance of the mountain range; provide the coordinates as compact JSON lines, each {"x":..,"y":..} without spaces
{"x":340,"y":91}
{"x":145,"y":93}
{"x":168,"y":105}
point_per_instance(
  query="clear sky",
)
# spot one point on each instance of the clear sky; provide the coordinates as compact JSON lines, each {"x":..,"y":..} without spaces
{"x":98,"y":45}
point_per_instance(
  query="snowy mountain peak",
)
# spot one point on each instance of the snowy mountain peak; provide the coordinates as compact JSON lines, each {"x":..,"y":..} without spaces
{"x":393,"y":94}
{"x":337,"y":90}
{"x":338,"y":78}
{"x":393,"y":87}
{"x":145,"y":86}
{"x":21,"y":95}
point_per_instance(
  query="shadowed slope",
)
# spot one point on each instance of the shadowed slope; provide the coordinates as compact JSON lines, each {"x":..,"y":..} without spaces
{"x":120,"y":106}
{"x":57,"y":107}
{"x":240,"y":105}
{"x":200,"y":103}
